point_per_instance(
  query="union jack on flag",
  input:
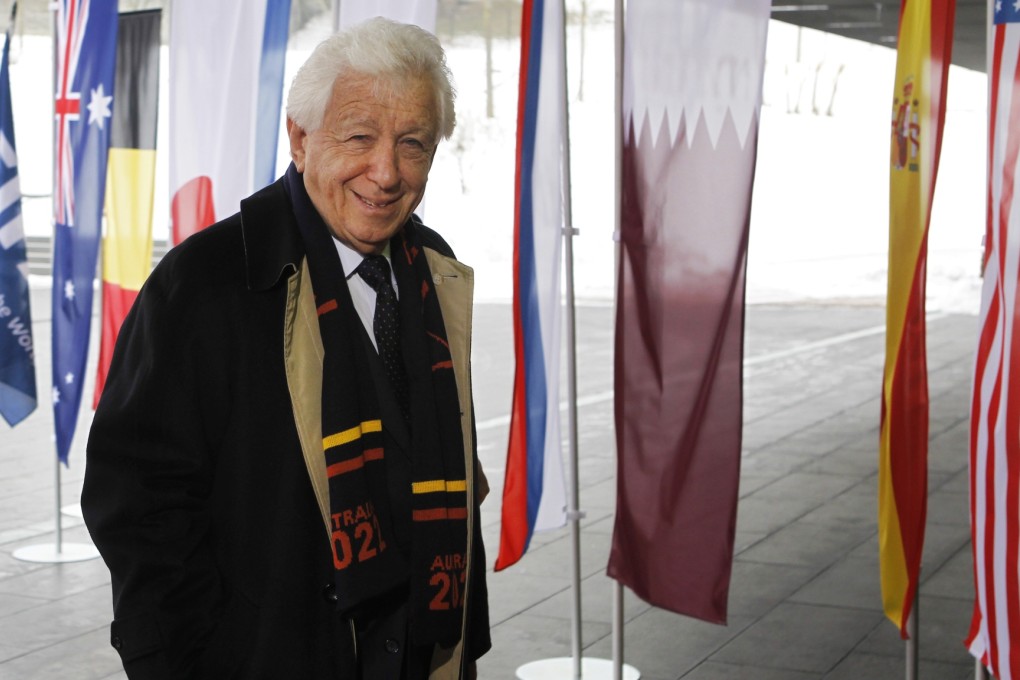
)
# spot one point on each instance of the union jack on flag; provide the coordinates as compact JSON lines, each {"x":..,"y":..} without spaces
{"x":67,"y":104}
{"x":86,"y":51}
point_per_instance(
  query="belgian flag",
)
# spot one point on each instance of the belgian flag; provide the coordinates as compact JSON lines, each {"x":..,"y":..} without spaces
{"x":131,"y":171}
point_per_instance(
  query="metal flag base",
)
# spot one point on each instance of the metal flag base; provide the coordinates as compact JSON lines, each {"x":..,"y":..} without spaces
{"x":563,"y":668}
{"x":48,"y":553}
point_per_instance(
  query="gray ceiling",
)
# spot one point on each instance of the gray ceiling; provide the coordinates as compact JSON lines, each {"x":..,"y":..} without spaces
{"x":877,"y":22}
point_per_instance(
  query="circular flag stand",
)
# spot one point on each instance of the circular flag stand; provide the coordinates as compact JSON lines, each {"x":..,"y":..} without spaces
{"x":52,"y":553}
{"x":562,"y":668}
{"x":59,"y":552}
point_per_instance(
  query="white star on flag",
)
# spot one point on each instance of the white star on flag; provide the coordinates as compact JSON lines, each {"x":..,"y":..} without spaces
{"x":56,"y":395}
{"x":998,"y":5}
{"x":69,"y":378}
{"x":69,"y":290}
{"x":99,"y":106}
{"x":1016,"y":5}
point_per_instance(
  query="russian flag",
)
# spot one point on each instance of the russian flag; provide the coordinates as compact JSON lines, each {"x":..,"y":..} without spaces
{"x":226,"y":88}
{"x":534,"y":495}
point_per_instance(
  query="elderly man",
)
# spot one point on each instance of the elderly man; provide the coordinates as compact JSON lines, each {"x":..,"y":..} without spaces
{"x":281,"y":472}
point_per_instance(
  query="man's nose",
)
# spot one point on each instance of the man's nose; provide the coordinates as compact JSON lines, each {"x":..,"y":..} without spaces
{"x":384,"y":167}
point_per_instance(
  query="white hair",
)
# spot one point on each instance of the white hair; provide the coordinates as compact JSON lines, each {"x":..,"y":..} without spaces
{"x":378,"y":47}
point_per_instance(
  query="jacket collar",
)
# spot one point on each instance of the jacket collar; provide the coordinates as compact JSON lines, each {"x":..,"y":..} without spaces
{"x":272,"y":243}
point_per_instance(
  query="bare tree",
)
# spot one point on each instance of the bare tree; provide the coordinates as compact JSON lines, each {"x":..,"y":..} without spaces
{"x":584,"y":35}
{"x":490,"y":108}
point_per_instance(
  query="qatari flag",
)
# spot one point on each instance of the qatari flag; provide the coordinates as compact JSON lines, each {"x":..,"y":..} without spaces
{"x":692,"y":91}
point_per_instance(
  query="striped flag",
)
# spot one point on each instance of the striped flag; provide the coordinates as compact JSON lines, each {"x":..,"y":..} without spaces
{"x":995,"y":400}
{"x":918,"y":113}
{"x":130,"y":183}
{"x":226,"y":88}
{"x":534,"y":495}
{"x":17,"y":350}
{"x":86,"y":47}
{"x":689,"y":152}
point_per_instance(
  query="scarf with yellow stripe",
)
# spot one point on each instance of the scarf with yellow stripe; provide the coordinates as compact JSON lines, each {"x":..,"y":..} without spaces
{"x":367,"y":559}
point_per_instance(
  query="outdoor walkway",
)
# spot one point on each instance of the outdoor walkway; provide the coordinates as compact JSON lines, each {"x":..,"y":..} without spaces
{"x":804,"y":601}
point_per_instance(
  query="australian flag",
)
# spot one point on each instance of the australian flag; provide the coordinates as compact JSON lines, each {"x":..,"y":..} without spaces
{"x":83,"y":104}
{"x":17,"y":352}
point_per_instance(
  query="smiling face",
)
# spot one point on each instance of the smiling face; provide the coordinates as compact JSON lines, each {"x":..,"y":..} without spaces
{"x":366,"y":167}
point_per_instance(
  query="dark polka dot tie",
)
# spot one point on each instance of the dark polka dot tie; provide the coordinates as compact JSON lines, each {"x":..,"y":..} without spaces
{"x":375,"y":270}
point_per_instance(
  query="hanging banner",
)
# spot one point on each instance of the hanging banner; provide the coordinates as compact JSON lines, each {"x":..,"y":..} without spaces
{"x":83,"y":105}
{"x":17,"y":349}
{"x":130,"y":185}
{"x":226,"y":88}
{"x":995,"y":396}
{"x":922,"y":67}
{"x":534,"y":495}
{"x":692,"y":81}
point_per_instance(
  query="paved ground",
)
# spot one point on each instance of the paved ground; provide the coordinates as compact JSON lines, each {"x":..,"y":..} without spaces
{"x":804,"y":601}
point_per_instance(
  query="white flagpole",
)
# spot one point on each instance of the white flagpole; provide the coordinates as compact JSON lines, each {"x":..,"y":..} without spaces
{"x":913,"y":643}
{"x":589,"y":669}
{"x":618,"y":36}
{"x":574,"y":513}
{"x":980,"y":672}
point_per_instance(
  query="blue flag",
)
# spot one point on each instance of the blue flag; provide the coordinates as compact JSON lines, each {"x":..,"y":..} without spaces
{"x":17,"y":352}
{"x":83,"y":104}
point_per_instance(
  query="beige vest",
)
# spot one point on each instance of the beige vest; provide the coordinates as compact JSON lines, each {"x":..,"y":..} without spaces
{"x":454,"y":283}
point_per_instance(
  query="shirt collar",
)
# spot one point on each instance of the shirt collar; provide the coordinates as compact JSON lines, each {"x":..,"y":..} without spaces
{"x":351,"y":259}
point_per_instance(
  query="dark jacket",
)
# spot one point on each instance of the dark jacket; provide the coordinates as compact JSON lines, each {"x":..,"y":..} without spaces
{"x":197,"y":490}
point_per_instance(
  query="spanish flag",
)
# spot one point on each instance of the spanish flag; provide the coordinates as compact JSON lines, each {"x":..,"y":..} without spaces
{"x":918,"y":112}
{"x":130,"y":185}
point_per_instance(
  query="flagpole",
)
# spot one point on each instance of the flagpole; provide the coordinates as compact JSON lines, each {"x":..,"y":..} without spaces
{"x":59,"y":545}
{"x":57,"y":552}
{"x":980,"y":672}
{"x":912,"y":641}
{"x":574,"y":513}
{"x":589,"y":669}
{"x":618,"y":37}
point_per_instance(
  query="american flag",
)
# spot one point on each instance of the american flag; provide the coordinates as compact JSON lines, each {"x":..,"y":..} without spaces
{"x":17,"y":350}
{"x":86,"y":50}
{"x":995,"y":401}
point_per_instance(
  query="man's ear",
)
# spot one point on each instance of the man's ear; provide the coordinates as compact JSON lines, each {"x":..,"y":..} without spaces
{"x":297,"y":144}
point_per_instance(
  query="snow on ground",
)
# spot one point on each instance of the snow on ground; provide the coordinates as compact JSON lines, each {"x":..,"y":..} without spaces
{"x":820,"y":213}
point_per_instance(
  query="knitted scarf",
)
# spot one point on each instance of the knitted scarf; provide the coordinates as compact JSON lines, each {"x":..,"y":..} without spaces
{"x":367,"y":559}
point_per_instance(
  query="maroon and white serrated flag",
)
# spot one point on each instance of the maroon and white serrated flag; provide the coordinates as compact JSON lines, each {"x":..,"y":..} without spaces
{"x":692,"y":91}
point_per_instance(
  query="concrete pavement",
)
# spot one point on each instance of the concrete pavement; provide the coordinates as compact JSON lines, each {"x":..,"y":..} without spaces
{"x":804,"y":601}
